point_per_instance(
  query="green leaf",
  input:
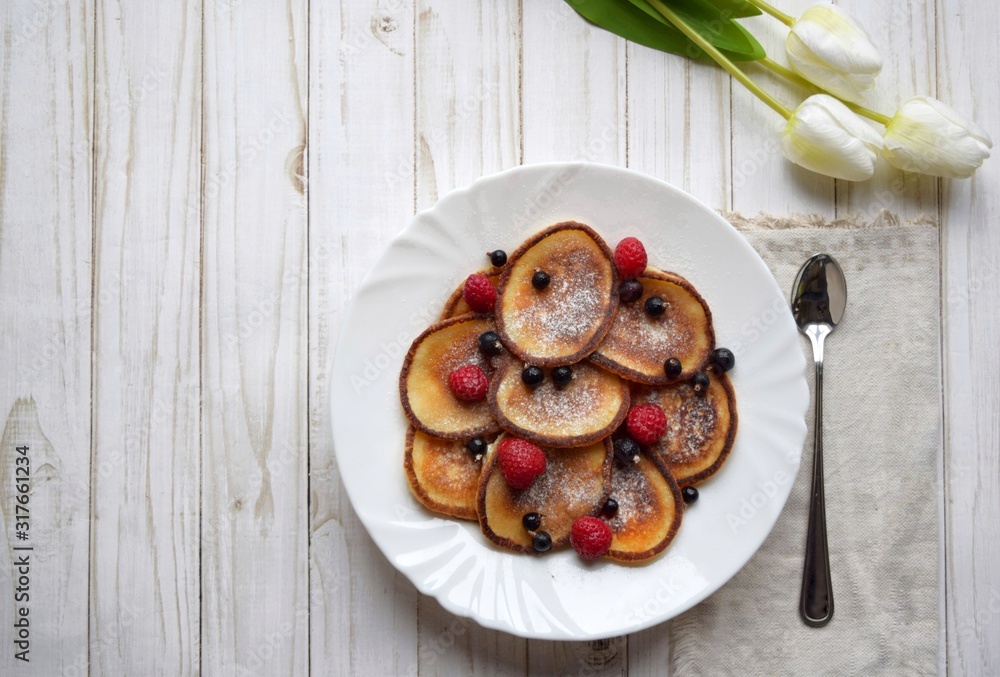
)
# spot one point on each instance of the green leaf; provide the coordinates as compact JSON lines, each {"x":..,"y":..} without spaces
{"x":712,"y":23}
{"x":644,"y":26}
{"x":736,"y":9}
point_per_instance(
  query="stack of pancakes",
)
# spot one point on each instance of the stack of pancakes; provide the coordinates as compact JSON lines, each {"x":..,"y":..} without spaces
{"x":616,"y":352}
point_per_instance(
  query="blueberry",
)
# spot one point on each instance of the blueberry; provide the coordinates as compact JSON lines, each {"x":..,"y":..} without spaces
{"x":610,"y":508}
{"x":700,"y":382}
{"x":498,"y":257}
{"x":531,"y":521}
{"x":673,"y":368}
{"x":489,"y":343}
{"x":689,"y":494}
{"x":540,"y":280}
{"x":724,"y":359}
{"x":532,"y":376}
{"x":562,"y":375}
{"x":476,"y":447}
{"x":655,"y":306}
{"x":630,"y":290}
{"x":626,"y":450}
{"x":542,"y":542}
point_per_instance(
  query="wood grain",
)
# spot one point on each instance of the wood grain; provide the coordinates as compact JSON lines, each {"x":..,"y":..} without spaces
{"x":46,"y":86}
{"x":144,"y":552}
{"x":255,"y":603}
{"x":467,"y":126}
{"x":156,"y":214}
{"x":762,"y":179}
{"x":970,"y":211}
{"x":679,"y":123}
{"x":361,"y":168}
{"x":906,"y":72}
{"x":573,"y":85}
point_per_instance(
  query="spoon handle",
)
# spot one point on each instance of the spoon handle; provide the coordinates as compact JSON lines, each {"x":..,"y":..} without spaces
{"x":816,"y":601}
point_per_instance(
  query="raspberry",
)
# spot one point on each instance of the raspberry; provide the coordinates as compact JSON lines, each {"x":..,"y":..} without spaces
{"x":520,"y":462}
{"x":630,"y":258}
{"x":469,"y":383}
{"x":646,"y":423}
{"x":479,"y":293}
{"x":591,"y":537}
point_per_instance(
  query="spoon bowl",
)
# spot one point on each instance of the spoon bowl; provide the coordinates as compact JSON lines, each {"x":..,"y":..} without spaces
{"x":819,"y":294}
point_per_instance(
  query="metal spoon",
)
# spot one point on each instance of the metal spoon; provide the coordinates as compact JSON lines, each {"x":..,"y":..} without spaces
{"x":819,"y":298}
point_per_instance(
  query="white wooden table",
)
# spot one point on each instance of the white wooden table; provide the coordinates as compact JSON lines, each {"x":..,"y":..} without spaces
{"x":189,"y":193}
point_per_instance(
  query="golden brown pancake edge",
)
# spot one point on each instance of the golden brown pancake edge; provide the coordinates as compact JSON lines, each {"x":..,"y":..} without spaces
{"x":660,"y":378}
{"x":404,"y":373}
{"x":603,"y":327}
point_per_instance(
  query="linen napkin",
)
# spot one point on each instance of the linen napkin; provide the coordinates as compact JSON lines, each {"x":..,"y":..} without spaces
{"x":882,"y":442}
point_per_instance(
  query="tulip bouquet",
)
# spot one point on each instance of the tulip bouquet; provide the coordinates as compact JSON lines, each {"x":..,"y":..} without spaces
{"x":832,"y":58}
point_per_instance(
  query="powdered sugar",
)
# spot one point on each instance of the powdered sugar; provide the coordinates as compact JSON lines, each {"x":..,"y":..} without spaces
{"x":637,"y":500}
{"x":693,"y":428}
{"x":692,"y":420}
{"x":587,"y":403}
{"x":640,"y":337}
{"x":461,"y":352}
{"x":574,"y":304}
{"x":568,"y":485}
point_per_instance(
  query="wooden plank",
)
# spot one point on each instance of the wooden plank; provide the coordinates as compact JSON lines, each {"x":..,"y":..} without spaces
{"x":467,"y":125}
{"x":679,"y":123}
{"x":144,"y":553}
{"x":574,"y":107}
{"x":762,"y":179}
{"x":46,"y":104}
{"x":573,"y":87}
{"x":361,"y":166}
{"x":906,"y":72}
{"x":255,"y":608}
{"x":970,"y":210}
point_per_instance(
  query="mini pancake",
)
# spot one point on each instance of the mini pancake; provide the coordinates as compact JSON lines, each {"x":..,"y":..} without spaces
{"x":649,"y":509}
{"x":442,"y":474}
{"x":564,"y":322}
{"x":456,"y":305}
{"x":700,"y":428}
{"x":638,"y":345}
{"x":588,"y":408}
{"x":427,"y":399}
{"x":575,"y":483}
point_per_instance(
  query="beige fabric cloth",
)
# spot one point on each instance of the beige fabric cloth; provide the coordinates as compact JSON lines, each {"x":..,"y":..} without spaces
{"x":882,"y":440}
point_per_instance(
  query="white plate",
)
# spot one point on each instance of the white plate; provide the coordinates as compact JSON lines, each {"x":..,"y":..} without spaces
{"x":559,"y":596}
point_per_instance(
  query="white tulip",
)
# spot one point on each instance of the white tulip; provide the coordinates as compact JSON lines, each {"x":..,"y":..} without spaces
{"x":830,"y":49}
{"x":929,"y":137}
{"x":823,"y":135}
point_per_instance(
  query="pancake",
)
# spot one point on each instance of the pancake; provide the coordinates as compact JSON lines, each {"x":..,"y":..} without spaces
{"x":564,"y":322}
{"x":427,"y":399}
{"x":456,"y":305}
{"x":700,"y":428}
{"x":443,"y":475}
{"x":649,"y":509}
{"x":586,"y":409}
{"x":576,"y":482}
{"x":638,"y":345}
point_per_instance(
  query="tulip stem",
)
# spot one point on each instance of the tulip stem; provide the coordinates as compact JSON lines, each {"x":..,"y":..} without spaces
{"x":720,"y":58}
{"x":786,"y":19}
{"x":797,"y":79}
